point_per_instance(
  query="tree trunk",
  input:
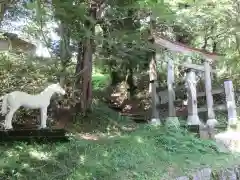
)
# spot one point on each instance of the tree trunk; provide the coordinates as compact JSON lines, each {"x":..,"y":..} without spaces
{"x":65,"y":57}
{"x":111,"y":63}
{"x":115,"y":79}
{"x":3,"y":8}
{"x":84,"y":61}
{"x":65,"y":53}
{"x":130,"y":82}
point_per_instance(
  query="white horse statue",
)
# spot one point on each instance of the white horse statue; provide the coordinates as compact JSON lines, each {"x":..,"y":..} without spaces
{"x":16,"y":99}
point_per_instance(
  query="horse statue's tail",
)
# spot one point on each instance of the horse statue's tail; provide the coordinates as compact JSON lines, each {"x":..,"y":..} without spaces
{"x":4,"y":104}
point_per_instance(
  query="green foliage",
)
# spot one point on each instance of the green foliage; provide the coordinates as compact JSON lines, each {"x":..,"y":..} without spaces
{"x":24,"y":74}
{"x":100,"y":81}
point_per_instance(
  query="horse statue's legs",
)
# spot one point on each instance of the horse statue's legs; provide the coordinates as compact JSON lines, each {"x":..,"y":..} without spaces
{"x":43,"y":118}
{"x":8,"y":118}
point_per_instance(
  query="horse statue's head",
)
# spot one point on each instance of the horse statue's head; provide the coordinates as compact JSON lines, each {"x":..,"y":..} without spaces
{"x":57,"y":88}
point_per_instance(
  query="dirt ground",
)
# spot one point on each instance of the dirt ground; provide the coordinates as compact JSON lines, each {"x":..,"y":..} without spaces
{"x":138,"y":106}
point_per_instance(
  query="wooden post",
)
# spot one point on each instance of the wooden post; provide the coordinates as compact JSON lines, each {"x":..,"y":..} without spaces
{"x":193,"y":118}
{"x":190,"y":84}
{"x":172,"y":119}
{"x":171,"y":93}
{"x":231,"y":105}
{"x":211,"y":122}
{"x":155,"y":119}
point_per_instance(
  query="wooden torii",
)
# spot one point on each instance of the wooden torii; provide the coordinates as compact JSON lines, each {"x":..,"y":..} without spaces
{"x":192,"y":101}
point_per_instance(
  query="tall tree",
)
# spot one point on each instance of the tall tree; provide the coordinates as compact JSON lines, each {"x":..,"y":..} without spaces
{"x":84,"y":59}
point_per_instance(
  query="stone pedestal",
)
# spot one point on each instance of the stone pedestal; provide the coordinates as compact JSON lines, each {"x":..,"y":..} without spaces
{"x":193,"y":120}
{"x":172,"y":122}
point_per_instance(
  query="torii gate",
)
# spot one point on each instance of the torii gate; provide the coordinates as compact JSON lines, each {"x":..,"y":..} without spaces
{"x":209,"y":57}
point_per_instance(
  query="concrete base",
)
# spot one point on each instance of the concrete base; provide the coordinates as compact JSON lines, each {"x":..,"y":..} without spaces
{"x":232,"y":121}
{"x":211,"y":123}
{"x":172,"y":122}
{"x":228,"y":141}
{"x":155,"y":121}
{"x":233,"y":124}
{"x":193,"y":120}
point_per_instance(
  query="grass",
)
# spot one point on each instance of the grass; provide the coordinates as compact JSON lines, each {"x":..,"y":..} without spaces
{"x":156,"y":156}
{"x":146,"y":153}
{"x":100,"y":81}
